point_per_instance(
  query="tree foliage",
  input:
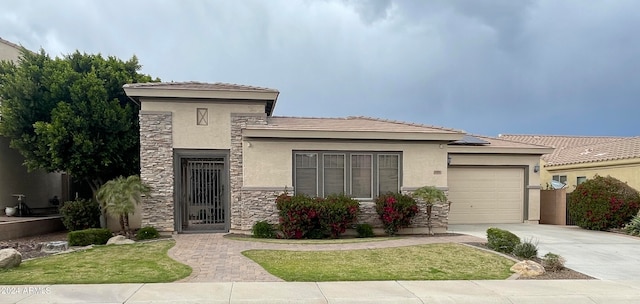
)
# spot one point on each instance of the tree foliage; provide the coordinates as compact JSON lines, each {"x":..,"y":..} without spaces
{"x":71,"y":114}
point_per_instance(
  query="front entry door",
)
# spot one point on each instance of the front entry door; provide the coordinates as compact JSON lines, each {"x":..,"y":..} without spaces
{"x":203,"y":194}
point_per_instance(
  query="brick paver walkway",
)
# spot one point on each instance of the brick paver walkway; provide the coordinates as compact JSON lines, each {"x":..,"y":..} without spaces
{"x":215,"y":258}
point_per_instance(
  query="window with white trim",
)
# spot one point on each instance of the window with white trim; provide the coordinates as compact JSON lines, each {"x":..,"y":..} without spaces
{"x":560,"y":178}
{"x":361,"y":175}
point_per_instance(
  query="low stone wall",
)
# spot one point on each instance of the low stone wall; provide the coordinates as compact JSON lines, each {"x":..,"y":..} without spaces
{"x":259,"y":205}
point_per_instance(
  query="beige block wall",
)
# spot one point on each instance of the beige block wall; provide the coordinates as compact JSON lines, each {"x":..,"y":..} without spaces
{"x":8,"y":52}
{"x":627,"y":171}
{"x":269,"y":163}
{"x":187,"y":134}
{"x":38,"y":186}
{"x":533,"y":179}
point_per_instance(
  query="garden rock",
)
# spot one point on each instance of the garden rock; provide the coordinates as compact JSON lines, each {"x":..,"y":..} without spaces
{"x":54,"y":247}
{"x":119,"y":240}
{"x":9,"y":258}
{"x":527,"y":269}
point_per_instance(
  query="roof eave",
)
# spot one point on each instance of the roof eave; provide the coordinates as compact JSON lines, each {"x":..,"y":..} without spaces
{"x":150,"y":92}
{"x":498,"y":150}
{"x":366,"y":135}
{"x":593,"y":164}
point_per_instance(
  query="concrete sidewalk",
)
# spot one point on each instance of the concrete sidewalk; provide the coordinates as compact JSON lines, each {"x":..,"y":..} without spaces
{"x":509,"y":291}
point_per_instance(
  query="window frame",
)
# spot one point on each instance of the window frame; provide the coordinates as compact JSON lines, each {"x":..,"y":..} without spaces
{"x":375,"y":182}
{"x":559,"y":177}
{"x":578,"y":180}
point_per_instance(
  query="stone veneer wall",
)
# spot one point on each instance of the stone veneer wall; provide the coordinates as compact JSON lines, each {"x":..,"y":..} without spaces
{"x":156,"y":169}
{"x":242,"y":210}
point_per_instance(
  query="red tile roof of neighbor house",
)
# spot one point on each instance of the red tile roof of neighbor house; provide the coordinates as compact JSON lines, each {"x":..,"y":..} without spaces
{"x":194,"y":85}
{"x":575,"y":149}
{"x":625,"y":148}
{"x":351,"y":123}
{"x":499,"y":142}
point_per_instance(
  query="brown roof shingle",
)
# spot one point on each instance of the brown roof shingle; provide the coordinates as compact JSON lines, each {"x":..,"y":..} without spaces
{"x":351,"y":123}
{"x":194,"y":85}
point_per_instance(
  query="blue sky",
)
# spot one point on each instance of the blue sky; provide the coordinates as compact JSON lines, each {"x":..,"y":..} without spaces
{"x":487,"y":66}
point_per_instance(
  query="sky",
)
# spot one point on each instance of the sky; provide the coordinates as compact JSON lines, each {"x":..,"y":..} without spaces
{"x":489,"y":67}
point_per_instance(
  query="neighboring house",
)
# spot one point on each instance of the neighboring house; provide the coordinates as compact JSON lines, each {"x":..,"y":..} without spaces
{"x":216,"y":159}
{"x":38,"y":187}
{"x":576,"y":159}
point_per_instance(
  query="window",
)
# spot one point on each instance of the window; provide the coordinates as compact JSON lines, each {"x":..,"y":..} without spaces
{"x":560,"y":178}
{"x":362,"y":175}
{"x":306,"y":174}
{"x":580,"y":180}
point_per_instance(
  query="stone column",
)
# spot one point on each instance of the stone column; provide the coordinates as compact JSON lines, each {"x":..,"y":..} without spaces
{"x":156,"y":169}
{"x":239,"y":210}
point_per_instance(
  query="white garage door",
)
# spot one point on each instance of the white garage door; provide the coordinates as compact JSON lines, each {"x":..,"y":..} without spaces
{"x":486,"y":195}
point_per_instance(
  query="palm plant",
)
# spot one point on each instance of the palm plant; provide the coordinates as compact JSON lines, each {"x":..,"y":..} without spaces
{"x":430,"y":195}
{"x":119,"y":197}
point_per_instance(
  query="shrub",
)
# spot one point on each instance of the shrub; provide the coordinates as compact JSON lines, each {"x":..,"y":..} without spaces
{"x":80,"y":214}
{"x":526,"y":250}
{"x":602,"y":203}
{"x":301,"y":216}
{"x":364,"y":230}
{"x":263,"y":230}
{"x":147,"y":233}
{"x":501,"y":240}
{"x":396,"y":211}
{"x":552,"y":262}
{"x":96,"y":236}
{"x":633,"y":227}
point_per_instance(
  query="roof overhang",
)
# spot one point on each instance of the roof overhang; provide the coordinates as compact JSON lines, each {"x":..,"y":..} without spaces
{"x":593,"y":164}
{"x":170,"y":95}
{"x":366,"y":135}
{"x":498,"y":150}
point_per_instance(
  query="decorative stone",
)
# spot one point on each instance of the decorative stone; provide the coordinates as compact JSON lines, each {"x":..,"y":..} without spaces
{"x":10,"y":258}
{"x":119,"y":240}
{"x":54,"y":247}
{"x":528,"y":269}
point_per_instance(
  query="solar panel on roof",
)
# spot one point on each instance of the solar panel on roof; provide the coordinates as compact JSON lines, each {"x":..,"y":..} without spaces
{"x":470,"y":140}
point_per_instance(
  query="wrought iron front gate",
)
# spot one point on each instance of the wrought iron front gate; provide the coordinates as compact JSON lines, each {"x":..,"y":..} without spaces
{"x":203,"y":196}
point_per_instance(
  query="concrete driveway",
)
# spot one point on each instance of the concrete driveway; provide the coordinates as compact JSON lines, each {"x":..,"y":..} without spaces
{"x":602,"y":255}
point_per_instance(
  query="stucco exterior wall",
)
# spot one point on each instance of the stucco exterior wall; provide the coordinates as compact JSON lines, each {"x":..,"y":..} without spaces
{"x":38,"y":186}
{"x":187,"y":134}
{"x":268,"y":163}
{"x":627,"y":171}
{"x":532,"y":179}
{"x":9,"y":52}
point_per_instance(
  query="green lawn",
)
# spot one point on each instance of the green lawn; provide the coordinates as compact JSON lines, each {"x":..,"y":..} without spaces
{"x":136,"y":263}
{"x":423,"y":262}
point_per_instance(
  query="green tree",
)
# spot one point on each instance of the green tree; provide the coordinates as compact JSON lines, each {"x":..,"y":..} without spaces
{"x":120,"y":196}
{"x":71,"y":114}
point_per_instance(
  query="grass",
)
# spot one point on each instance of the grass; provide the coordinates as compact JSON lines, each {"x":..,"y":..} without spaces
{"x":423,"y":262}
{"x":136,"y":263}
{"x":311,"y":241}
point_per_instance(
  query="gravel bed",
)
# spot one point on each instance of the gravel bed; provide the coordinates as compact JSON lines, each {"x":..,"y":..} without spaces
{"x":29,"y":247}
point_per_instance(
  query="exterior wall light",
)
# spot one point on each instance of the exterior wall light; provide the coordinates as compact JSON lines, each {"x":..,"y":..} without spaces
{"x":536,"y":168}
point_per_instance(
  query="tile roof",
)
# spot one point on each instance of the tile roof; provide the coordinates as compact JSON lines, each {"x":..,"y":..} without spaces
{"x":559,"y":142}
{"x":499,"y":142}
{"x":625,"y":148}
{"x":194,"y":85}
{"x":351,"y":123}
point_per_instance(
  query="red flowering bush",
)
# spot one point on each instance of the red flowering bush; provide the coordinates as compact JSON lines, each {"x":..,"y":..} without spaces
{"x":304,"y":217}
{"x":602,"y":203}
{"x":396,"y":211}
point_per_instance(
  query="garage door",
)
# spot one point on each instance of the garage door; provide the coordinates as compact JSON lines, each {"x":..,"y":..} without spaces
{"x":486,"y":195}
